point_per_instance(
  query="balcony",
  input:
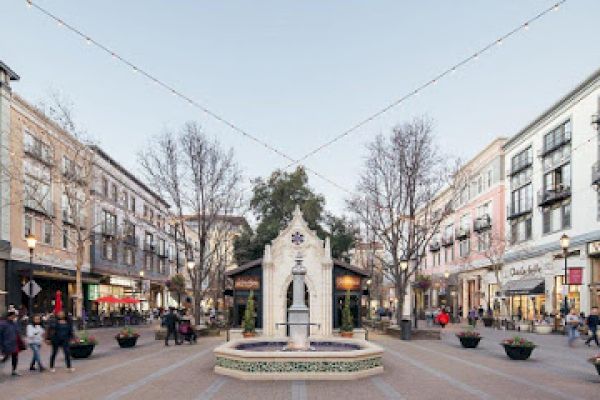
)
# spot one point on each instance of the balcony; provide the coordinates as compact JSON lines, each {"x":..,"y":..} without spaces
{"x":39,"y":153}
{"x":130,"y":240}
{"x":45,"y":207}
{"x":596,"y":175}
{"x":553,"y":195}
{"x":447,"y":240}
{"x":520,"y":166}
{"x":149,"y":247}
{"x":434,"y":246}
{"x":482,"y":223}
{"x":513,"y":212}
{"x":462,"y":233}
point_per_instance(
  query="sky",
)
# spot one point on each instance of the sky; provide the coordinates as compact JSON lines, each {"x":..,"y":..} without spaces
{"x":297,"y":73}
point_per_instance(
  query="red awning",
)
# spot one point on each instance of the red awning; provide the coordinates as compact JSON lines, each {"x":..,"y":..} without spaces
{"x":108,"y":299}
{"x":129,"y":300}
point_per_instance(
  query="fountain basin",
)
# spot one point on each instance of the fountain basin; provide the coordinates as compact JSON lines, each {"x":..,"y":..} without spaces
{"x":328,"y":359}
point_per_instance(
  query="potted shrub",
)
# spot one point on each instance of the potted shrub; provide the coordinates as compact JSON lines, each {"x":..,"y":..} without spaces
{"x":488,"y":321}
{"x":347,"y":328}
{"x":249,"y":322}
{"x":518,"y":348}
{"x":469,"y":339}
{"x":83,"y":345}
{"x":596,"y":361}
{"x":127,"y":337}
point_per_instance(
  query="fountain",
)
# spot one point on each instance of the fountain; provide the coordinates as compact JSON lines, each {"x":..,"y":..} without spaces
{"x":297,"y":357}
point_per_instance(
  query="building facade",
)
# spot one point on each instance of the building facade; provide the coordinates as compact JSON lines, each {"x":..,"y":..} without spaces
{"x":463,"y":255}
{"x":552,"y":189}
{"x":132,"y":247}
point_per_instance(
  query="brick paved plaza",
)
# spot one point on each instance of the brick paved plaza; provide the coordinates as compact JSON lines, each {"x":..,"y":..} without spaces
{"x":413,"y":370}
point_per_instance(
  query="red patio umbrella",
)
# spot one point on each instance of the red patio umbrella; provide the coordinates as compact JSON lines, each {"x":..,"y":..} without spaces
{"x":108,"y":299}
{"x":129,"y":300}
{"x":58,"y":302}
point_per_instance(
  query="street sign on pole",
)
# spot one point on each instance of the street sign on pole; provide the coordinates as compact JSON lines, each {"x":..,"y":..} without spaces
{"x":33,"y":290}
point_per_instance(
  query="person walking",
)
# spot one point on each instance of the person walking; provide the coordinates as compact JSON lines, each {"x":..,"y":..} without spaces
{"x":170,"y":322}
{"x":472,"y":316}
{"x":571,"y":325}
{"x":35,"y":335}
{"x":10,"y":340}
{"x":60,"y":335}
{"x":592,"y":322}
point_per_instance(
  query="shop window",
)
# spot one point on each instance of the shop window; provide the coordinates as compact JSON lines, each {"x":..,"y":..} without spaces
{"x":573,"y":295}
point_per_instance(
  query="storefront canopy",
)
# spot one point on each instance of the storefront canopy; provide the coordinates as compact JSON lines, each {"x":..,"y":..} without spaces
{"x":524,"y":286}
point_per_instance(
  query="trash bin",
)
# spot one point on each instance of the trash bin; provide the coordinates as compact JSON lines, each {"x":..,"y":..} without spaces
{"x":405,"y":327}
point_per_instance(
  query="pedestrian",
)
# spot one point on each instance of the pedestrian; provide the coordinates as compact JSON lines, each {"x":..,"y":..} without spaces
{"x":10,"y":340}
{"x":35,"y":335}
{"x":60,"y":335}
{"x":472,"y":317}
{"x":170,"y":322}
{"x":592,"y":322}
{"x":443,"y":318}
{"x":571,"y":325}
{"x":480,"y":312}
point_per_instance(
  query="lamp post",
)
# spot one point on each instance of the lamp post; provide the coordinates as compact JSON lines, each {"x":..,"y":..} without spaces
{"x":141,"y":287}
{"x":369,"y":281}
{"x":31,"y":242}
{"x":190,"y":265}
{"x":564,"y":244}
{"x":403,"y":268}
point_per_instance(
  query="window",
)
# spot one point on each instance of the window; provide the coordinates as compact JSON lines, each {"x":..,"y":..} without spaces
{"x":47,"y":234}
{"x":114,"y":193}
{"x":132,"y":202}
{"x":464,"y":247}
{"x":128,"y":256}
{"x":37,"y":148}
{"x":149,"y":239}
{"x":128,"y":230}
{"x":161,"y":247}
{"x":109,"y":250}
{"x":161,"y":265}
{"x":483,"y":241}
{"x":448,"y":254}
{"x":27,"y":225}
{"x":479,"y":185}
{"x":65,"y":239}
{"x":557,"y":137}
{"x":148,"y":261}
{"x":105,"y":187}
{"x":124,"y":199}
{"x":520,"y":230}
{"x":489,"y":178}
{"x":109,"y":223}
{"x":558,"y":179}
{"x":521,"y":200}
{"x":556,"y":218}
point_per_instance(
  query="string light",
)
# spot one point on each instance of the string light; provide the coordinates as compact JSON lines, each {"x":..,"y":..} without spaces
{"x":246,"y":134}
{"x":451,"y":70}
{"x":500,"y":41}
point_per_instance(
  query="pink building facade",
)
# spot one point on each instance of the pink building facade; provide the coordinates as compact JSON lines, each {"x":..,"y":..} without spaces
{"x":462,"y":258}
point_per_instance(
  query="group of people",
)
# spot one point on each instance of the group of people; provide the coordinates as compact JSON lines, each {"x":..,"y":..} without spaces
{"x":180,"y":327}
{"x":574,"y":322}
{"x":57,"y":331}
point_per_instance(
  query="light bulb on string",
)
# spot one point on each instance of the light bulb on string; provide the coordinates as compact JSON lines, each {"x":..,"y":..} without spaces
{"x":556,"y":7}
{"x":476,"y":56}
{"x":88,"y":40}
{"x":526,"y":26}
{"x":28,"y":3}
{"x":59,"y":23}
{"x":499,"y":42}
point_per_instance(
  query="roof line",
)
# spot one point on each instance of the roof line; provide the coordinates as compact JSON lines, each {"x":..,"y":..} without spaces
{"x":570,"y":95}
{"x":12,"y":75}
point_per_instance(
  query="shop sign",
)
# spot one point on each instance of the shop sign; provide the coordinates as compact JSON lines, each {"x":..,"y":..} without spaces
{"x":347,"y":282}
{"x":246,"y":283}
{"x":593,"y":248}
{"x":530,"y":270}
{"x":575,"y":276}
{"x":118,"y":281}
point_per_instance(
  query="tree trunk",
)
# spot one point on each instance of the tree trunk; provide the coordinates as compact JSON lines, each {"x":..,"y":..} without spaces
{"x":198,"y":300}
{"x":400,"y":292}
{"x":78,"y":285}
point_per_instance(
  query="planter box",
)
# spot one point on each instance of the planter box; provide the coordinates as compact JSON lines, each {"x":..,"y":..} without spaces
{"x":81,"y":350}
{"x":542,"y":329}
{"x":524,"y":327}
{"x":518,"y":352}
{"x":469,"y":342}
{"x":127,"y":342}
{"x":346,"y":334}
{"x":487,"y":322}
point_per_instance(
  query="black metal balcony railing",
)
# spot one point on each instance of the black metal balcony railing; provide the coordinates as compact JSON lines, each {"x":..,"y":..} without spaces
{"x":447,"y":240}
{"x":482,"y":223}
{"x":513,"y":212}
{"x":520,"y":166}
{"x":434,"y":246}
{"x":42,"y":206}
{"x":462,"y":233}
{"x":554,"y":194}
{"x":130,"y":240}
{"x":596,"y":174}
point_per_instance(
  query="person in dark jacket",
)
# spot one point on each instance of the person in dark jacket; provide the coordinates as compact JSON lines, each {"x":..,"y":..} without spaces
{"x":10,"y":340}
{"x":60,"y":335}
{"x":170,"y":322}
{"x":592,"y":322}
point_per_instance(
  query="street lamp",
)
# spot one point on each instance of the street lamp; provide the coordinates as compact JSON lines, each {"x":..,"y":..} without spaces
{"x":191,"y":264}
{"x":31,"y":242}
{"x":141,"y":287}
{"x":564,"y":244}
{"x":403,"y":264}
{"x":446,"y":274}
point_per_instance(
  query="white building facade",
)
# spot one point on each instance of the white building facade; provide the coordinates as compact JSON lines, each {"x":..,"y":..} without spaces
{"x":551,"y":190}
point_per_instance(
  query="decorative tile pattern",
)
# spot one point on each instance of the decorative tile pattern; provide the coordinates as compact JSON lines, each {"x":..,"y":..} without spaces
{"x":291,"y":366}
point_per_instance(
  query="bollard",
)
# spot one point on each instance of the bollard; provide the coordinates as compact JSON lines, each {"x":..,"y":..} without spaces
{"x":367,"y":334}
{"x":228,"y":335}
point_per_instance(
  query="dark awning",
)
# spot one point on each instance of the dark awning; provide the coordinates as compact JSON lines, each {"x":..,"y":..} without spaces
{"x":524,"y":286}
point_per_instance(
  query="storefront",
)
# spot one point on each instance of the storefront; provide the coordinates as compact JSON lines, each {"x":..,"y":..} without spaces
{"x":593,"y":252}
{"x":526,"y":298}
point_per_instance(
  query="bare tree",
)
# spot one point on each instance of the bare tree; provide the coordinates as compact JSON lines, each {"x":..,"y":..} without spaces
{"x":200,"y":179}
{"x":395,"y":199}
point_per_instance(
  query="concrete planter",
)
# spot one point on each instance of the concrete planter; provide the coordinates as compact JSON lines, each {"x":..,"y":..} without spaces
{"x":542,"y":329}
{"x":524,"y":327}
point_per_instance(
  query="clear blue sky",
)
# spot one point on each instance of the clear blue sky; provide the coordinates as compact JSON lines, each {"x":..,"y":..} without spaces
{"x":296,"y":73}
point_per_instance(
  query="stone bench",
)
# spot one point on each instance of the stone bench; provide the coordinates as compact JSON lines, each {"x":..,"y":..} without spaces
{"x":418,"y":334}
